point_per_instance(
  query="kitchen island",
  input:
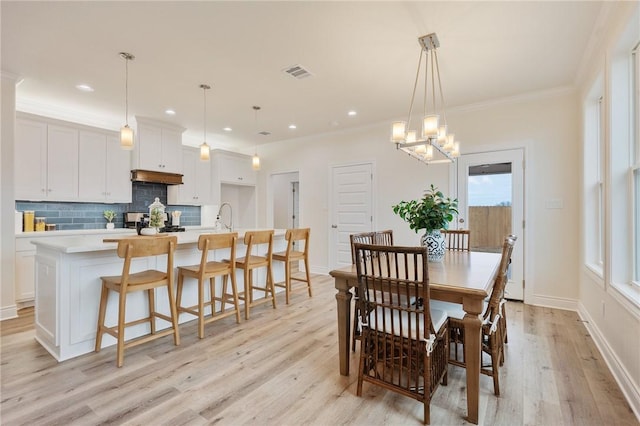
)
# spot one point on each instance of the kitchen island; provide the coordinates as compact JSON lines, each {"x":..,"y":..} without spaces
{"x":67,"y":291}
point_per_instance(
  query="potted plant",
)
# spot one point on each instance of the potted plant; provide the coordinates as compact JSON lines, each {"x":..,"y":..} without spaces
{"x":109,"y":215}
{"x":432,"y":213}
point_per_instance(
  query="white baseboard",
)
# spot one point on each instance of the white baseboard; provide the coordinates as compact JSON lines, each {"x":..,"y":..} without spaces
{"x":621,"y":375}
{"x":8,"y":312}
{"x":552,"y":302}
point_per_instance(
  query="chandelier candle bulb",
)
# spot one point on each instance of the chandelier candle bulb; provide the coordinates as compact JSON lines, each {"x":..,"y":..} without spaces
{"x":398,"y":131}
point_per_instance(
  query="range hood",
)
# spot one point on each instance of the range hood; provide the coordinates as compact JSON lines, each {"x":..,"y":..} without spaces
{"x":156,"y":177}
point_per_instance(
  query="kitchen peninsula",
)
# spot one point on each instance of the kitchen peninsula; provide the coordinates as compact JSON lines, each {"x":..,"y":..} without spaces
{"x":67,"y":293}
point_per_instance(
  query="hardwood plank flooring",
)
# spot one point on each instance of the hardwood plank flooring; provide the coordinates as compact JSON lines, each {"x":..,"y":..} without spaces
{"x":281,"y":368}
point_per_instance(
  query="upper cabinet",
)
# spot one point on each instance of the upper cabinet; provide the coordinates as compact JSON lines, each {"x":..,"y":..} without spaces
{"x":46,"y":158}
{"x":196,"y":189}
{"x":158,"y":146}
{"x":233,"y":168}
{"x":103,"y":168}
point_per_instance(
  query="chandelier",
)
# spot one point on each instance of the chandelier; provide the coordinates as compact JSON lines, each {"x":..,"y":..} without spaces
{"x":434,"y":144}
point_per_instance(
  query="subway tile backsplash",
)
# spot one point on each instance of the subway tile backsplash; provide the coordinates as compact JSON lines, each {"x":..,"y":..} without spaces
{"x":68,"y":216}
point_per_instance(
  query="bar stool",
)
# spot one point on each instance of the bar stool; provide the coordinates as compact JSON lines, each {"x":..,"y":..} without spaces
{"x":147,"y":280}
{"x":291,"y":255}
{"x":210,"y":270}
{"x":250,"y":262}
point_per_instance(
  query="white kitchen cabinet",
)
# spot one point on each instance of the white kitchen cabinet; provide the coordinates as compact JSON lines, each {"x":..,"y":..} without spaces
{"x":158,"y":146}
{"x":24,"y":271}
{"x":234,"y":168}
{"x":196,"y":187}
{"x":104,"y":168}
{"x":46,"y":158}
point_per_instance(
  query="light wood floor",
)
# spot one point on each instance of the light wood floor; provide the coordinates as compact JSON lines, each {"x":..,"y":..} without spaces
{"x":281,"y":368}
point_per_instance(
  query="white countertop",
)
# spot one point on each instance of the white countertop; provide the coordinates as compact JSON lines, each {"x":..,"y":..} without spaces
{"x":91,"y":242}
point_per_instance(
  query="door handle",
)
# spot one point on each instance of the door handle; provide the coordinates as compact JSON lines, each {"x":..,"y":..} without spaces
{"x":461,"y":220}
{"x":334,"y":226}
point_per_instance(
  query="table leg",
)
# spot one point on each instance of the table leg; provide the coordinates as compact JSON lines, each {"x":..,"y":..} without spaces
{"x":343,"y":300}
{"x":472,"y":355}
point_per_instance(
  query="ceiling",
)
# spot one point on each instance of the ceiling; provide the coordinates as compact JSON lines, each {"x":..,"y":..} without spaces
{"x":362,"y":55}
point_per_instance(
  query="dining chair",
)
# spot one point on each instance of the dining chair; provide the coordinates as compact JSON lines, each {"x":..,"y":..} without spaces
{"x":129,"y":282}
{"x":209,"y":270}
{"x":384,"y":238}
{"x":492,"y":322}
{"x":250,"y":262}
{"x":293,"y":255}
{"x":457,"y":239}
{"x":404,"y":345}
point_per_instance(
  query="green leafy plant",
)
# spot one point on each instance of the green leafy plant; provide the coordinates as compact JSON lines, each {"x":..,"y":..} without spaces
{"x":109,"y":215}
{"x":432,"y":211}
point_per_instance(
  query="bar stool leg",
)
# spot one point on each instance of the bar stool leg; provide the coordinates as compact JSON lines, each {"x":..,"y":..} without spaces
{"x":200,"y":308}
{"x":104,"y":295}
{"x":308,"y":274}
{"x":120,"y":350}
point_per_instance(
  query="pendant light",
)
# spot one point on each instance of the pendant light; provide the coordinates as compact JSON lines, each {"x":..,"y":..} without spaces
{"x":126,"y":132}
{"x":204,"y":148}
{"x":255,"y":162}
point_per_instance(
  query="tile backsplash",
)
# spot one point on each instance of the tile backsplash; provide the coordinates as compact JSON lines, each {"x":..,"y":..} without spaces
{"x":68,"y":216}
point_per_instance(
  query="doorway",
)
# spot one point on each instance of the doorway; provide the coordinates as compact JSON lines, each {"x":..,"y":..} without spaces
{"x":286,"y":200}
{"x":490,"y":192}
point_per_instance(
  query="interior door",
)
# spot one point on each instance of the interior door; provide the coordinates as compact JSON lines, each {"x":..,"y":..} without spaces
{"x":351,"y":209}
{"x":490,"y":191}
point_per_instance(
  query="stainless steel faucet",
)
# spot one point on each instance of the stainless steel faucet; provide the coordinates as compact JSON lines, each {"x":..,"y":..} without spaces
{"x":230,"y":226}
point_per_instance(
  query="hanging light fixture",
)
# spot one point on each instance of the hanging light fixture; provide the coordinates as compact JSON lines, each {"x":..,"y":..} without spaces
{"x":434,"y":137}
{"x":126,"y":132}
{"x":255,"y":162}
{"x":204,"y":148}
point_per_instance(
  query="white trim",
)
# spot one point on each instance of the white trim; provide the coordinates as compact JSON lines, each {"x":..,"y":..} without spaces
{"x":553,"y":302}
{"x":630,"y":390}
{"x":8,"y":312}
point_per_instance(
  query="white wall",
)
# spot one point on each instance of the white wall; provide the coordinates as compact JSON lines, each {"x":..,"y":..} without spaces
{"x":612,"y":319}
{"x":7,"y":202}
{"x":547,"y":126}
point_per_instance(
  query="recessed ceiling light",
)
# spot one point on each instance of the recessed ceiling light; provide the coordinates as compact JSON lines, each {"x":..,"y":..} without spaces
{"x":84,"y":87}
{"x":352,"y":113}
{"x":293,"y":126}
{"x":170,"y":112}
{"x":227,"y":129}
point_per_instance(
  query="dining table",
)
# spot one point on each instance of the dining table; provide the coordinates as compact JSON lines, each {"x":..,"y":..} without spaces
{"x":463,"y":277}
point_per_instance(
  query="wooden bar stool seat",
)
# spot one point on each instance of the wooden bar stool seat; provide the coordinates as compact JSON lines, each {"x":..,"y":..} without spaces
{"x":147,"y":280}
{"x":209,"y":270}
{"x":293,"y":255}
{"x":249,"y":263}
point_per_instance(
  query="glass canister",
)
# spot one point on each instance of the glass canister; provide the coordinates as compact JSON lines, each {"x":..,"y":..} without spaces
{"x":157,"y":216}
{"x":40,"y":223}
{"x":29,"y":220}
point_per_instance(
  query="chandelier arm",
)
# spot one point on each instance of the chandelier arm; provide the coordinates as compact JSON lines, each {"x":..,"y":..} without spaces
{"x":415,"y":86}
{"x":444,"y":106}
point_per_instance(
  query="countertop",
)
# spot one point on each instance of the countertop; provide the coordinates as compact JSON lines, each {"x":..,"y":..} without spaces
{"x":92,"y":242}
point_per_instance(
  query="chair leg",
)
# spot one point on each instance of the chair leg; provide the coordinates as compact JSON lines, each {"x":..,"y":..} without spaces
{"x":248,"y":292}
{"x":287,"y":281}
{"x":104,"y":295}
{"x":152,"y":310}
{"x":212,"y":296}
{"x":495,"y":361}
{"x":234,"y":290}
{"x":308,"y":274}
{"x":174,"y":314}
{"x":122,"y":304}
{"x":200,"y":308}
{"x":271,"y":286}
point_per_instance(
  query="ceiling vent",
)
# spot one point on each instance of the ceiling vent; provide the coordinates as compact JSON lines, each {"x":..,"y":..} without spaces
{"x":264,"y":133}
{"x":297,"y":71}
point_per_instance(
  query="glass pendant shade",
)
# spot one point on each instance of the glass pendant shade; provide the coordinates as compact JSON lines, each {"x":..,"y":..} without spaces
{"x":448,"y":146}
{"x":429,"y":154}
{"x":255,"y":162}
{"x":126,"y":137}
{"x":456,"y":150}
{"x":398,"y":129}
{"x":204,"y":151}
{"x":411,"y":136}
{"x":430,"y":126}
{"x":442,"y":134}
{"x":421,"y":149}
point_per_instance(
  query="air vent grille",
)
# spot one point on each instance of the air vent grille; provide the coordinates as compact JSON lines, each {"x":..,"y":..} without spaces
{"x":264,"y":133}
{"x":298,"y":71}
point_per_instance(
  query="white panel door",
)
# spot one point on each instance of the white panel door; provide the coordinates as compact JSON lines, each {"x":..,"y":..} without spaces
{"x":351,"y":208}
{"x":496,"y":189}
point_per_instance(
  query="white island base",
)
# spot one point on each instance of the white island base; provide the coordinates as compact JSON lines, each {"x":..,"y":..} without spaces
{"x":67,"y":293}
